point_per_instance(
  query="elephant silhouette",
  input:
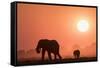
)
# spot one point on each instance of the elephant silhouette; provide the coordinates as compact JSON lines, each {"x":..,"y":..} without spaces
{"x":76,"y":54}
{"x":51,"y":46}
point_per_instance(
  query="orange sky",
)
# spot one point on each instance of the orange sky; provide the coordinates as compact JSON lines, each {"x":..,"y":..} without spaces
{"x":37,"y":22}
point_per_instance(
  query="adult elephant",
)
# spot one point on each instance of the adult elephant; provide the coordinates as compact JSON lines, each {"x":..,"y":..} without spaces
{"x":76,"y":54}
{"x":51,"y":46}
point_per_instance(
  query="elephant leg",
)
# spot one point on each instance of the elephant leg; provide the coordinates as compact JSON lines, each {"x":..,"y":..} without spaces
{"x":59,"y":56}
{"x":43,"y":54}
{"x":55,"y":56}
{"x":49,"y":55}
{"x":78,"y":56}
{"x":75,"y":56}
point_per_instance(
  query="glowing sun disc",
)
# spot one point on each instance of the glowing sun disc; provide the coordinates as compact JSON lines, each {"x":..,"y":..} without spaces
{"x":82,"y":26}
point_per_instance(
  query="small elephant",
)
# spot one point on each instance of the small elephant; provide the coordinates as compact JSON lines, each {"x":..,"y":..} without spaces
{"x":51,"y":46}
{"x":76,"y":54}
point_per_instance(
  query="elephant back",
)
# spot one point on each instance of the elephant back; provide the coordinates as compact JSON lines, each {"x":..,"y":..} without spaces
{"x":49,"y":45}
{"x":54,"y":46}
{"x":43,"y":42}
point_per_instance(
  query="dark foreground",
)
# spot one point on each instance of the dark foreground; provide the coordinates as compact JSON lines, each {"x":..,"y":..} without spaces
{"x":67,"y":60}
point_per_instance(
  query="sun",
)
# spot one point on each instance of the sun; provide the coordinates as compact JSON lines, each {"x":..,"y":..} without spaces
{"x":82,"y":26}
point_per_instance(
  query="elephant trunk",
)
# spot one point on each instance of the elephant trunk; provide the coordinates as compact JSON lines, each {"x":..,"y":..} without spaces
{"x":38,"y":50}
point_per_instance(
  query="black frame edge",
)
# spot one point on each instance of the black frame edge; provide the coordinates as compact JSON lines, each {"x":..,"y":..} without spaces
{"x":13,"y":34}
{"x":96,"y":33}
{"x":59,"y":4}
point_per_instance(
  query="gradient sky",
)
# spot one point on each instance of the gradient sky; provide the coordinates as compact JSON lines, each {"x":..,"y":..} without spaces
{"x":37,"y":22}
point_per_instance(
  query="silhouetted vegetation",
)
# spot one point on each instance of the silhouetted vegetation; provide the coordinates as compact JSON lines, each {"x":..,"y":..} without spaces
{"x":66,"y":60}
